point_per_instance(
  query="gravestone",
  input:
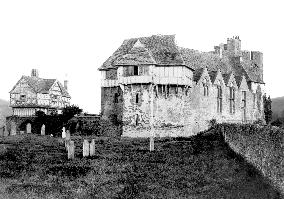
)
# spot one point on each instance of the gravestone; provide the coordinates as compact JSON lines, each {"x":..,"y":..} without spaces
{"x":67,"y":135}
{"x":29,"y":128}
{"x":151,"y":143}
{"x":71,"y":150}
{"x":6,"y":133}
{"x":86,"y":148}
{"x":92,"y":148}
{"x":66,"y":144}
{"x":2,"y":131}
{"x":13,"y":128}
{"x":63,"y":133}
{"x":42,"y":130}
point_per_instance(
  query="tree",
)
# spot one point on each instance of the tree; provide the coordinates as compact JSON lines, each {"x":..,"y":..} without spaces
{"x":70,"y":111}
{"x":267,"y":109}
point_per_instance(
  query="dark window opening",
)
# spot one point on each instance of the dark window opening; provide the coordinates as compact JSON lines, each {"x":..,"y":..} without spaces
{"x":137,"y":98}
{"x":135,"y":70}
{"x":219,"y":99}
{"x":137,"y":120}
{"x":116,"y":98}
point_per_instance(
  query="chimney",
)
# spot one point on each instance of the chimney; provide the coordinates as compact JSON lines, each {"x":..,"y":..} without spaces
{"x":65,"y":84}
{"x":34,"y":73}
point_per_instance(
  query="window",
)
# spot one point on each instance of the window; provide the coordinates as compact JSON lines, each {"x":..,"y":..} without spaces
{"x":254,"y":100}
{"x":116,"y":98}
{"x":232,"y":100}
{"x":22,"y":97}
{"x":205,"y":89}
{"x":219,"y":99}
{"x":137,"y":120}
{"x":259,"y":102}
{"x":243,"y":99}
{"x":137,"y":98}
{"x":135,"y":70}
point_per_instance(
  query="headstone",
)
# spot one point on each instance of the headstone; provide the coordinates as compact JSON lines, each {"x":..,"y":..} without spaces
{"x":42,"y":130}
{"x":86,"y":148}
{"x":63,"y":133}
{"x":67,"y":135}
{"x":22,"y":132}
{"x":92,"y":148}
{"x":29,"y":128}
{"x":13,"y":128}
{"x":151,"y":143}
{"x":71,"y":150}
{"x":66,"y":144}
{"x":2,"y":131}
{"x":6,"y":133}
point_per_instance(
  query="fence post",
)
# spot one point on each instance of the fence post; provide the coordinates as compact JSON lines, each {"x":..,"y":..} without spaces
{"x":92,"y":148}
{"x":86,"y":148}
{"x":71,"y":150}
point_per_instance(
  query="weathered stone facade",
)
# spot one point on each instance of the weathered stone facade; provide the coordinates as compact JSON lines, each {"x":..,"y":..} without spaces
{"x":186,"y":88}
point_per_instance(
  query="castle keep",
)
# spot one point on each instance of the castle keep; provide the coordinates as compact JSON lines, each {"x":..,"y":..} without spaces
{"x":151,"y":81}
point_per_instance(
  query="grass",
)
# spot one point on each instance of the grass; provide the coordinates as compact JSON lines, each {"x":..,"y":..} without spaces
{"x":34,"y":166}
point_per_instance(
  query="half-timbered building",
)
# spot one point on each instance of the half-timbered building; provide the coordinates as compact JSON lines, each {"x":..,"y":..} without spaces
{"x":32,"y":93}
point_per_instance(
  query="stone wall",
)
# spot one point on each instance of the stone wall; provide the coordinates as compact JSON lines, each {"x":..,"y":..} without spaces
{"x":20,"y":123}
{"x":178,"y":110}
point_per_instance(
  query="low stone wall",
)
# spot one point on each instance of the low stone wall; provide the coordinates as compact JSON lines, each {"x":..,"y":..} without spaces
{"x":158,"y":132}
{"x":262,"y":146}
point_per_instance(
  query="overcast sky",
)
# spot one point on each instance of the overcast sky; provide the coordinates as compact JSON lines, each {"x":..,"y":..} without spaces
{"x":73,"y":38}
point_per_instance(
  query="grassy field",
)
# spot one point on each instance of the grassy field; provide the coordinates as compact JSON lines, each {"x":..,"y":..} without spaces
{"x":34,"y":166}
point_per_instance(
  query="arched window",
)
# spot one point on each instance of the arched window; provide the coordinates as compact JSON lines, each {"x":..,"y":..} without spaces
{"x":219,"y":99}
{"x":205,"y":87}
{"x":232,"y":100}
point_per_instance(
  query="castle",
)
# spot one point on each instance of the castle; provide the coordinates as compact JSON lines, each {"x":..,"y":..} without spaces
{"x":150,"y":82}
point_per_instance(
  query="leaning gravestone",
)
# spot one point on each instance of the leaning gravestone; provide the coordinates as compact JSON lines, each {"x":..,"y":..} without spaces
{"x":86,"y":148}
{"x":29,"y":128}
{"x":71,"y":150}
{"x":42,"y":130}
{"x":92,"y":148}
{"x":63,"y":133}
{"x":13,"y":128}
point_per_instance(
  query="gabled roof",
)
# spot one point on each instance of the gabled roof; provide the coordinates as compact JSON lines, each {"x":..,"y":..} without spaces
{"x":138,"y":55}
{"x":212,"y":75}
{"x":40,"y":85}
{"x":162,"y":48}
{"x":197,"y":74}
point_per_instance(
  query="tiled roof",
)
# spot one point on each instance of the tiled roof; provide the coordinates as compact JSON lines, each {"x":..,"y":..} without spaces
{"x":195,"y":59}
{"x":162,"y":48}
{"x":138,"y":55}
{"x":40,"y":85}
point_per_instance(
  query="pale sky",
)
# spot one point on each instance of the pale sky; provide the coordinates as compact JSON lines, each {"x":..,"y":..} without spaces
{"x":75,"y":37}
